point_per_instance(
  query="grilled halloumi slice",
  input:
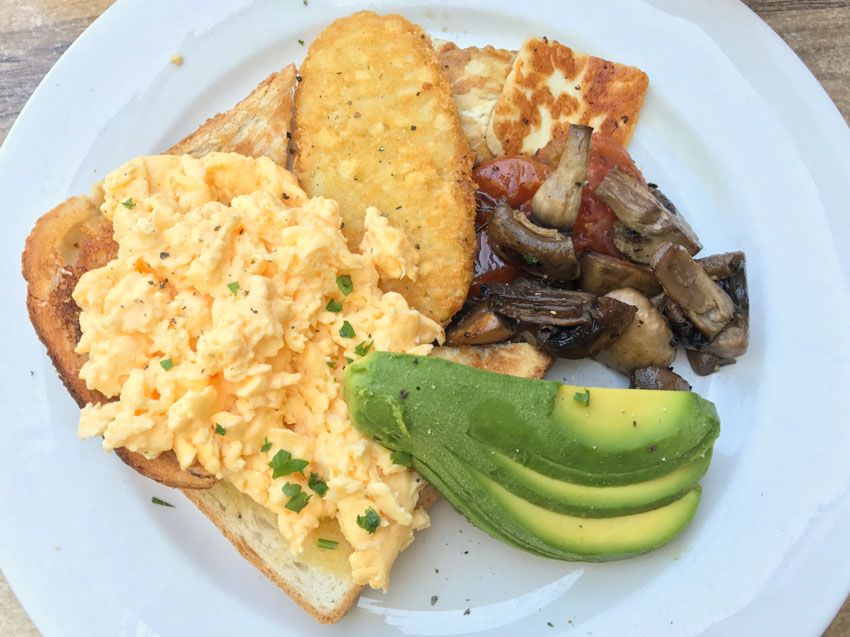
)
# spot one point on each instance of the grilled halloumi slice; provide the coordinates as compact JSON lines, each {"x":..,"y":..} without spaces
{"x":550,"y":87}
{"x":476,"y":77}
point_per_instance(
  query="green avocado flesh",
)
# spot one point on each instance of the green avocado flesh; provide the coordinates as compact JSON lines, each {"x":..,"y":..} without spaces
{"x":607,"y":477}
{"x":587,"y":501}
{"x":598,"y":539}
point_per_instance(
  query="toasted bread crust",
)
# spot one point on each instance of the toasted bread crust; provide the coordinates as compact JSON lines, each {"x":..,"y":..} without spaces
{"x":75,"y":237}
{"x":241,"y":545}
{"x":257,"y":126}
{"x":69,"y":240}
{"x":516,"y":359}
{"x":427,"y":498}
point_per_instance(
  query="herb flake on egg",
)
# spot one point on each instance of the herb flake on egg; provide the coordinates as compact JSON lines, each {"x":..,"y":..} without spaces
{"x":284,"y":464}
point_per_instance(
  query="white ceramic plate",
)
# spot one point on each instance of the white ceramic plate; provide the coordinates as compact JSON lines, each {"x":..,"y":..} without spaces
{"x":738,"y":133}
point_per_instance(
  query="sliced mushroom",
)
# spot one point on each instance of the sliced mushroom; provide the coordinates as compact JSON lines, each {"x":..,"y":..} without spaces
{"x":704,"y":364}
{"x":556,"y":202}
{"x":601,"y":273}
{"x":645,"y":217}
{"x":565,"y":323}
{"x":663,"y":378}
{"x":687,"y":284}
{"x":728,"y":272}
{"x":732,"y":341}
{"x":646,"y":341}
{"x":686,"y":332}
{"x":479,"y":325}
{"x":545,"y":251}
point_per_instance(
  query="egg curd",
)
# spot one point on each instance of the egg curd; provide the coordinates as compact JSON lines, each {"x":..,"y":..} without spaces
{"x":223,"y":327}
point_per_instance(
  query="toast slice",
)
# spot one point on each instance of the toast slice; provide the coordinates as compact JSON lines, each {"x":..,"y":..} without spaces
{"x":74,"y":237}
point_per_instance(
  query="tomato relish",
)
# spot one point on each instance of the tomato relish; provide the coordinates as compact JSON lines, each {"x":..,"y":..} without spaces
{"x":517,"y":178}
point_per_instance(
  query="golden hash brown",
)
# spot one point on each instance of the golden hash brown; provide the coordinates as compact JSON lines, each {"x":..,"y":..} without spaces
{"x":375,"y":125}
{"x":550,"y":87}
{"x":476,"y":77}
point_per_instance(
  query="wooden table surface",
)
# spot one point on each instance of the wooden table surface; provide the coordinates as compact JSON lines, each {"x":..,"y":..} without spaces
{"x":34,"y":34}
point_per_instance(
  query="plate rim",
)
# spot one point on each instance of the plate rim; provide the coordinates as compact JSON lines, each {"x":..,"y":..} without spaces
{"x":816,"y":94}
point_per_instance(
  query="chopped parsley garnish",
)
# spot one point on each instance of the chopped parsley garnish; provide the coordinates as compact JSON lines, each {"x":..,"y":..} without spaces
{"x":402,"y":457}
{"x":369,"y":520}
{"x":530,"y":260}
{"x":330,"y":364}
{"x":266,"y":445}
{"x":129,"y":203}
{"x":290,"y":489}
{"x":582,"y":397}
{"x":156,"y":500}
{"x":298,"y":499}
{"x":330,"y":545}
{"x":346,"y":331}
{"x":298,"y":502}
{"x":334,"y":306}
{"x":363,"y":348}
{"x":234,"y":287}
{"x":319,"y":486}
{"x":301,"y":42}
{"x":220,"y":430}
{"x":343,"y":282}
{"x":349,"y":360}
{"x":166,"y":364}
{"x":283,"y":464}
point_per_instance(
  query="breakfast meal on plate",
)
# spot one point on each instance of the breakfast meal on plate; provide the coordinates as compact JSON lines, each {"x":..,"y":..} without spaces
{"x":339,"y":298}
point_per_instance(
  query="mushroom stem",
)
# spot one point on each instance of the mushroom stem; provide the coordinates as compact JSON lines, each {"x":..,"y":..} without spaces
{"x":556,"y":202}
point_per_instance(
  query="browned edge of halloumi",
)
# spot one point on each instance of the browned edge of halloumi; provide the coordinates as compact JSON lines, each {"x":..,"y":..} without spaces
{"x":550,"y":87}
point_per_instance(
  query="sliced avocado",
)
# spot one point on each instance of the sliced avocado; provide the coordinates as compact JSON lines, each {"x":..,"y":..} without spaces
{"x":595,"y":437}
{"x":597,"y":539}
{"x":587,"y":501}
{"x":523,"y":525}
{"x":454,"y":422}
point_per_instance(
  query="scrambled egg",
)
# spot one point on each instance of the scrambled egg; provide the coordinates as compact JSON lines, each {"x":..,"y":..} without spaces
{"x":223,"y":327}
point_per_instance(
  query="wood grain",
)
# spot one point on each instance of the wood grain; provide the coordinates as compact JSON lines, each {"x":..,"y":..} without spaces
{"x":34,"y":34}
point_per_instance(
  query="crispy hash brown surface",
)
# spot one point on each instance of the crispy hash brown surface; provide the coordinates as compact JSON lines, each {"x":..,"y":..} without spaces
{"x":375,"y":125}
{"x":550,"y":87}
